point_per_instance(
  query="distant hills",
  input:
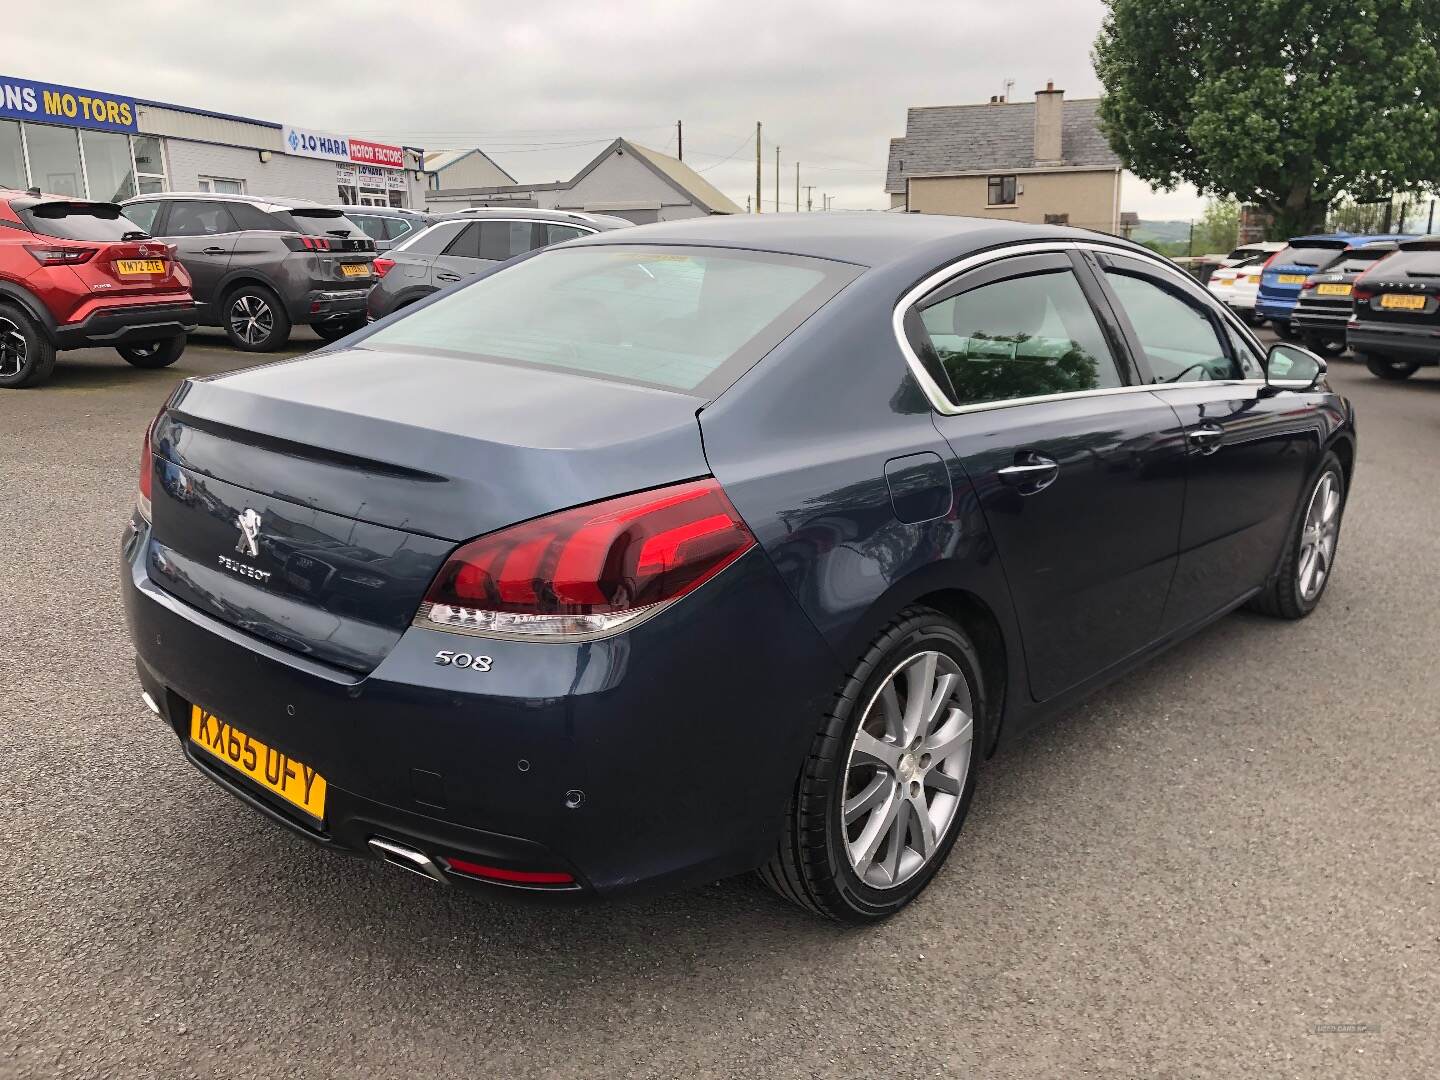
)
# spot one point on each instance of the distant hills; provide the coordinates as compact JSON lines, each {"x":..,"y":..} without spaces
{"x":1163,"y":232}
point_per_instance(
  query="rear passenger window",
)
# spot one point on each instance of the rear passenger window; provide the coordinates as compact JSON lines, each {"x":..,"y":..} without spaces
{"x":431,"y":241}
{"x":558,"y":234}
{"x":1019,"y":338}
{"x":467,"y":244}
{"x":501,"y":240}
{"x":199,"y":219}
{"x":143,"y":214}
{"x":1176,"y":335}
{"x":394,"y":228}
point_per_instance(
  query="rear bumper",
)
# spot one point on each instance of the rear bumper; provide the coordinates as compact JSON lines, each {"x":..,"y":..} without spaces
{"x":1408,"y":343}
{"x":127,"y":325}
{"x":1318,"y":318}
{"x":1275,"y":308}
{"x":338,"y":304}
{"x":655,"y":759}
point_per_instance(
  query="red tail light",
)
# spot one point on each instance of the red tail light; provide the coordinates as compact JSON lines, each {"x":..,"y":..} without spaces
{"x":60,"y":256}
{"x":591,"y":571}
{"x":147,"y":474}
{"x":512,"y":877}
{"x":307,"y":243}
{"x":382,"y":266}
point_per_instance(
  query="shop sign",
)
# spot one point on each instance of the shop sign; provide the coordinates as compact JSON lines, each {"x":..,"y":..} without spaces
{"x":307,"y":142}
{"x":51,"y":103}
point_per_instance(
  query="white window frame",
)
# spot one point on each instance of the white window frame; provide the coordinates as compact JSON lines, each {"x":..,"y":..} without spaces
{"x":207,"y":184}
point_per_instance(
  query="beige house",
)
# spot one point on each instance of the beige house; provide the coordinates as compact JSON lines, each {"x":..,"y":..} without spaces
{"x":1041,"y":161}
{"x":625,"y":179}
{"x":463,"y":168}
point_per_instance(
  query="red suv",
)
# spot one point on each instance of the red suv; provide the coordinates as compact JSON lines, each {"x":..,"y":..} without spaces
{"x":75,"y":274}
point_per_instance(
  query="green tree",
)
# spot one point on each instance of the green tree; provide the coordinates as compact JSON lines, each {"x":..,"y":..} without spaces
{"x":1285,"y":103}
{"x":1219,"y":229}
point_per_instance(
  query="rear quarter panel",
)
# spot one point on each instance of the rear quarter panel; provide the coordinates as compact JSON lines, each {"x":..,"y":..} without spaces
{"x":800,"y":443}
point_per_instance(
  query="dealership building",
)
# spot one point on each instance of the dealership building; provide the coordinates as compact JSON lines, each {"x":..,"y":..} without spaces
{"x":100,"y":145}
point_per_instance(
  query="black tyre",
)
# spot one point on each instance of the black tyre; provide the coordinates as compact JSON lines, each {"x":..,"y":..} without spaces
{"x":1391,"y":370}
{"x":1282,"y":329}
{"x":26,"y":356}
{"x":153,"y":354}
{"x":1309,"y":555}
{"x":334,"y":331}
{"x":1327,"y":345}
{"x":889,"y":777}
{"x":255,"y":320}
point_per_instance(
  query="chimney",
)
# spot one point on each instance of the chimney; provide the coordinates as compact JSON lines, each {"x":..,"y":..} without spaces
{"x":1049,"y":109}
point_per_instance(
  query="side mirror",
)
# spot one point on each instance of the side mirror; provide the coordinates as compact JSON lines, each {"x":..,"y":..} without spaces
{"x":1289,"y":367}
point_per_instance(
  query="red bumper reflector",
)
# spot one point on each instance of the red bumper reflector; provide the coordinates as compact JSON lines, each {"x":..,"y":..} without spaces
{"x":519,"y":877}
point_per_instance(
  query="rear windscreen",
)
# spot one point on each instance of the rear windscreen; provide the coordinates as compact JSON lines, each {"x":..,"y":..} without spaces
{"x":318,"y":221}
{"x":1424,"y":263}
{"x":1360,"y":260}
{"x":690,"y":321}
{"x":102,"y":222}
{"x":1315,"y":255}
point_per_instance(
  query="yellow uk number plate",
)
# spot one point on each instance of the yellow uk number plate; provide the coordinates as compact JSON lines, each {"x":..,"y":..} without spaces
{"x":354,"y":269}
{"x":1290,"y":279}
{"x":140,"y":266}
{"x":294,"y":781}
{"x":1332,"y":290}
{"x":1401,"y":302}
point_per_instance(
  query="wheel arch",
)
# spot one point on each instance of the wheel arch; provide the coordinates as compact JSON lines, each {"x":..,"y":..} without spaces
{"x":1343,"y":447}
{"x":247,"y":276}
{"x":27,"y":303}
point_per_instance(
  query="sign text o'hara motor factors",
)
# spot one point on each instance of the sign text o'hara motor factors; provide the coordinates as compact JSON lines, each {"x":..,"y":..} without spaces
{"x":305,"y":142}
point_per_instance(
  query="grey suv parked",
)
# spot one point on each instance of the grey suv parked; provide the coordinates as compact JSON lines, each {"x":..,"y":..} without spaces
{"x":465,"y":243}
{"x":387,"y":225}
{"x":261,"y":265}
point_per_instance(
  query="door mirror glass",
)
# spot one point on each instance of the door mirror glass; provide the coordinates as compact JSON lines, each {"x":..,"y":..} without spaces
{"x":1291,"y":366}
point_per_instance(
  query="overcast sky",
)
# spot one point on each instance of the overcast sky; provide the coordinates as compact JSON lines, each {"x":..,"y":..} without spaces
{"x":542,"y":85}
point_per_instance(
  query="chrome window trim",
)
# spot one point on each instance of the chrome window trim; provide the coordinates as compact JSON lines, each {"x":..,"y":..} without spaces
{"x":941,"y":402}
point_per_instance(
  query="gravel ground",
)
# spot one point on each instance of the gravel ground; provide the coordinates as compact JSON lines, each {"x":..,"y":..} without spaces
{"x":1189,"y":876}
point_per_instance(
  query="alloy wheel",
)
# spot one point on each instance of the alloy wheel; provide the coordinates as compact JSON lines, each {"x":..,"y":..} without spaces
{"x":907,"y":768}
{"x":251,"y":319}
{"x":1318,"y":537}
{"x":12,"y":348}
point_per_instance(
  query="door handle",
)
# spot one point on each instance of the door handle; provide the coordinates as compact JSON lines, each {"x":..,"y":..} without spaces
{"x":1205,"y":439}
{"x":212,"y":251}
{"x":447,"y":277}
{"x":1031,"y":472}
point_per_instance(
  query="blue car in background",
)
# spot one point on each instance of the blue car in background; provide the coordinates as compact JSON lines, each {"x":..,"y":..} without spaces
{"x":1284,"y":275}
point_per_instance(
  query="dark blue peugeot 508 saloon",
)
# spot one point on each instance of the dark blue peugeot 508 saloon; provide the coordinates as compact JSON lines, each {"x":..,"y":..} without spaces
{"x":715,"y":545}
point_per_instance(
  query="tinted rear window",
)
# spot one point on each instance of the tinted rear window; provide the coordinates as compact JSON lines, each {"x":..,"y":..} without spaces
{"x":81,"y":221}
{"x":681,"y":320}
{"x":1307,"y":255}
{"x":318,"y":221}
{"x":1422,"y":263}
{"x":1354,"y":262}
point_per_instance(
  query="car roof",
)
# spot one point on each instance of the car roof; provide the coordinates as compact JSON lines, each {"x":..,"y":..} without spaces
{"x":264,"y":202}
{"x":1389,"y":238}
{"x":397,"y":211}
{"x":864,"y":237}
{"x":532,"y":213}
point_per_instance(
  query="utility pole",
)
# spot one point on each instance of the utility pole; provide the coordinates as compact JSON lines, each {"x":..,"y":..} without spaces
{"x":797,"y":187}
{"x":758,"y":210}
{"x":777,"y":179}
{"x":810,"y":205}
{"x":747,"y":204}
{"x":1430,"y":228}
{"x":680,"y":140}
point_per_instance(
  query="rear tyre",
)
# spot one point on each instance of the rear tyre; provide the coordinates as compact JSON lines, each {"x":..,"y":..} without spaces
{"x":1326,"y":345}
{"x":1310,"y":549}
{"x":334,"y":331}
{"x":26,"y":356}
{"x":889,"y":777}
{"x":153,"y":354}
{"x":255,"y":320}
{"x":1392,"y":370}
{"x":1282,"y":329}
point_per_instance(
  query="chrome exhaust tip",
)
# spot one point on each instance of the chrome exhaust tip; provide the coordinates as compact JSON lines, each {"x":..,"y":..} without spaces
{"x":407,"y":858}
